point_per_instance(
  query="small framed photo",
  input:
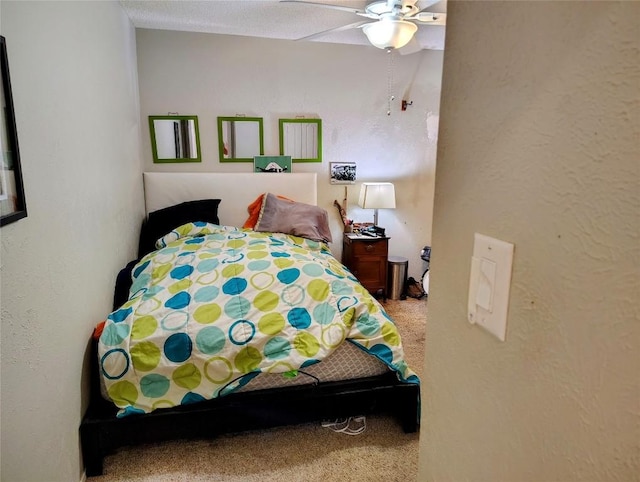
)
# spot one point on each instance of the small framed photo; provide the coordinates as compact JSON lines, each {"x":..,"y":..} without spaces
{"x":343,"y":172}
{"x":272,"y":164}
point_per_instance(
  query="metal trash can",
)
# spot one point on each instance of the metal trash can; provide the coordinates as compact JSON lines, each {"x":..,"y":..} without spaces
{"x":397,"y":277}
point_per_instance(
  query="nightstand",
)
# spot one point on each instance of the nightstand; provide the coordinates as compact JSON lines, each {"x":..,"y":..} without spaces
{"x":366,"y":258}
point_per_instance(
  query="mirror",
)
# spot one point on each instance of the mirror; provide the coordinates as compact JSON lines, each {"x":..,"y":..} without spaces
{"x":240,"y":139}
{"x":175,"y":138}
{"x":301,"y":139}
{"x":12,"y":200}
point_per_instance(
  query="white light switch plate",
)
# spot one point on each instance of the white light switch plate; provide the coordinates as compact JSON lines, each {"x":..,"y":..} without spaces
{"x":489,"y":284}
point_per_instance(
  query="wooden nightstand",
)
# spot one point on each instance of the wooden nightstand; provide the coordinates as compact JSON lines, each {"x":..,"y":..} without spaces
{"x":366,"y":258}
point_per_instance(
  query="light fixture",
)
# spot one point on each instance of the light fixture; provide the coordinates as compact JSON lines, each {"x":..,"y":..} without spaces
{"x":377,"y":195}
{"x":390,"y":33}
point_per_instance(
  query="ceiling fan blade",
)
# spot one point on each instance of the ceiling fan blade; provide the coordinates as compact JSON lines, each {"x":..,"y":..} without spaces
{"x":424,"y":4}
{"x":411,"y":48}
{"x":357,"y":11}
{"x":430,"y":18}
{"x":334,"y":30}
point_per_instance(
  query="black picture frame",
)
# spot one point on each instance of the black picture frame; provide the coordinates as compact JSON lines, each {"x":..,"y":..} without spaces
{"x":12,"y":201}
{"x":343,"y":172}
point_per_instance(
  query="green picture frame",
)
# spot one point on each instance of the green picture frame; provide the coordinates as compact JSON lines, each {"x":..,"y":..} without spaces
{"x":301,"y":139}
{"x":175,"y":138}
{"x":240,"y":139}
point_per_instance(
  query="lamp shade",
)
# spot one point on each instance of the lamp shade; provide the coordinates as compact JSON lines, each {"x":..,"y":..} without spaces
{"x":377,"y":195}
{"x":389,"y":33}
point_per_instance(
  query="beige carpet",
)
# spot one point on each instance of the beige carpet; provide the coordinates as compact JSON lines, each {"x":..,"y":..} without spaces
{"x":301,"y":453}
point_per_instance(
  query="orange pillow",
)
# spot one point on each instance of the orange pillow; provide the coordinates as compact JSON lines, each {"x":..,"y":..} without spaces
{"x":254,"y":211}
{"x":97,"y":331}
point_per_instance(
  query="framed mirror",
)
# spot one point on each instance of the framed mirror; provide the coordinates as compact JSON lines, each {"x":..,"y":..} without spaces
{"x":12,"y":201}
{"x":301,"y":139}
{"x":175,"y":138}
{"x":240,"y":139}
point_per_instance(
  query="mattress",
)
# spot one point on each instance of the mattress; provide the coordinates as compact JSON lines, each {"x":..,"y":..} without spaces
{"x":346,"y":363}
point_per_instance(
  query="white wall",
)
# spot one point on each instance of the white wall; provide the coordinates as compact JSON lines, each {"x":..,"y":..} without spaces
{"x":538,"y":145}
{"x":73,"y":72}
{"x":346,"y":86}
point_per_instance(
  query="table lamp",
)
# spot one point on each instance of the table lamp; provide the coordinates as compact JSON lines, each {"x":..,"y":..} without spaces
{"x":377,"y":195}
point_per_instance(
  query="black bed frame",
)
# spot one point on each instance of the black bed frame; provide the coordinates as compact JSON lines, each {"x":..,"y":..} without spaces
{"x":101,"y":432}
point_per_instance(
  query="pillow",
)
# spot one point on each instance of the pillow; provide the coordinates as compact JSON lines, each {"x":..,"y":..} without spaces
{"x":290,"y":217}
{"x":254,"y":211}
{"x":123,"y":284}
{"x":165,"y":220}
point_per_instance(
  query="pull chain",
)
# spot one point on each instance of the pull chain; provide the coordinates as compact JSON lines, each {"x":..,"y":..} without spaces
{"x":390,"y":96}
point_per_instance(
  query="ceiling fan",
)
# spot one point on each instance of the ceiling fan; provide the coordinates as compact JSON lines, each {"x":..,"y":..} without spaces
{"x":395,"y":24}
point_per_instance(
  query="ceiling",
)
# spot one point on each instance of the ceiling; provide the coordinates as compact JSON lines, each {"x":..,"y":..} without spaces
{"x":269,"y":19}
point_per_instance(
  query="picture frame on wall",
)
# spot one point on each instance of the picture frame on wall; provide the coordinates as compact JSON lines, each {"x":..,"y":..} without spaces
{"x":175,"y":138}
{"x":12,"y":200}
{"x":343,"y":172}
{"x":301,"y":139}
{"x":4,"y":194}
{"x":272,"y":164}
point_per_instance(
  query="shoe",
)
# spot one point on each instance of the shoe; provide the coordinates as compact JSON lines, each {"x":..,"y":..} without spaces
{"x":414,"y":290}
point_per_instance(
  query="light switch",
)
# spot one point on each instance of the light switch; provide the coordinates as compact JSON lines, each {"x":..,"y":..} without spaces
{"x":489,"y":284}
{"x":486,"y":283}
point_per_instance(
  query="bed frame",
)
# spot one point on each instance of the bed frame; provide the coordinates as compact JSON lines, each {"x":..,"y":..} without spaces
{"x":101,"y":432}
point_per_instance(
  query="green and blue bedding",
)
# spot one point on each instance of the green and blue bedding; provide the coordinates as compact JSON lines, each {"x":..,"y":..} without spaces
{"x":216,"y":306}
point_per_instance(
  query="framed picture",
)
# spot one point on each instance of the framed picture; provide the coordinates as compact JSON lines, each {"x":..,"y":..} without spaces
{"x":4,"y":195}
{"x":272,"y":164}
{"x":12,"y":202}
{"x":301,"y":139}
{"x":175,"y":138}
{"x":343,"y":172}
{"x":240,"y":138}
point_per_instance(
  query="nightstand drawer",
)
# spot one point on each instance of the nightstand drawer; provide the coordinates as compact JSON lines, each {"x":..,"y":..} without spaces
{"x":373,"y":248}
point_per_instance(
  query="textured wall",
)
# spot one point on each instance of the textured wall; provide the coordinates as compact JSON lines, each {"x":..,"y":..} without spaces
{"x":538,"y":146}
{"x":73,"y":73}
{"x":346,"y":86}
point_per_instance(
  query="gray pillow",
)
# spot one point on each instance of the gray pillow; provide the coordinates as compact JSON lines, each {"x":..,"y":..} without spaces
{"x":289,"y":217}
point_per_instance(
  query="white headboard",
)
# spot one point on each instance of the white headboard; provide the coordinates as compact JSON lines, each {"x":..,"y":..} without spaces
{"x":236,"y":190}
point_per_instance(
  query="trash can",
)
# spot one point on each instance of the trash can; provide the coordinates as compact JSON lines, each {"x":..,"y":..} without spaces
{"x":397,"y":277}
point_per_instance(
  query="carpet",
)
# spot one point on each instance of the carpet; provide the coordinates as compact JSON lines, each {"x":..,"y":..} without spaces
{"x":305,"y":452}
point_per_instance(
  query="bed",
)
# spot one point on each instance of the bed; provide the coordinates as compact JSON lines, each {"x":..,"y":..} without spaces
{"x":218,"y":328}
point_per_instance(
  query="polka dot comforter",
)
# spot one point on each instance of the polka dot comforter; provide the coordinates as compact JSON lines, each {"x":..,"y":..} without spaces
{"x":215,"y":306}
